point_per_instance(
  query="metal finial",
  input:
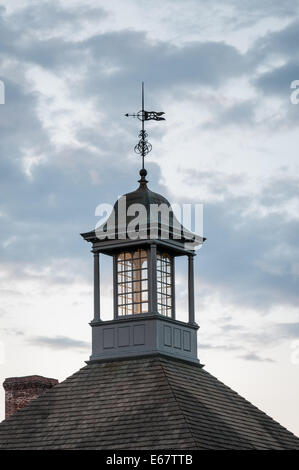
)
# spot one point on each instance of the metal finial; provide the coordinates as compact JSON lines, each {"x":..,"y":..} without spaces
{"x":144,"y":147}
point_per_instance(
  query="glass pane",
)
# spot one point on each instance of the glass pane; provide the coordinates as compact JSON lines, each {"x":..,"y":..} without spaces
{"x":137,"y":297}
{"x":144,"y":296}
{"x":144,"y":273}
{"x":136,"y":275}
{"x":137,"y":286}
{"x":120,"y":266}
{"x":127,"y":265}
{"x":129,"y":309}
{"x":164,"y":284}
{"x":132,"y":282}
{"x":137,"y":309}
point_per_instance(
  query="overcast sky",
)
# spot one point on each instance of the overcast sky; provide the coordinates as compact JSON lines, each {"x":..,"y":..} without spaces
{"x":222,"y":73}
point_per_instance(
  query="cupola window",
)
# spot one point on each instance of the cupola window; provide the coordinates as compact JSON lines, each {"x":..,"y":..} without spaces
{"x":132,"y":282}
{"x":164,"y":284}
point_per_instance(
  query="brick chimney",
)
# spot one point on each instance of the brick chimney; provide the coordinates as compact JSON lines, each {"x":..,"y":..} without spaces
{"x":19,"y":391}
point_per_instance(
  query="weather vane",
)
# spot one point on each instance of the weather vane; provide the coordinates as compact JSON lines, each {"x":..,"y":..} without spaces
{"x":144,"y":147}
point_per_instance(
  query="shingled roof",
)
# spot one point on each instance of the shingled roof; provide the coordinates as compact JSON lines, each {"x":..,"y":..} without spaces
{"x":145,"y":403}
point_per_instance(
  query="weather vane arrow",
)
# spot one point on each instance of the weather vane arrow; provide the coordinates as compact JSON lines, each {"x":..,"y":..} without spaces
{"x":147,"y":116}
{"x":144,"y":147}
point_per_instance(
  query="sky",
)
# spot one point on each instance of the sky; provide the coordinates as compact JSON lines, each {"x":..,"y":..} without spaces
{"x":222,"y":73}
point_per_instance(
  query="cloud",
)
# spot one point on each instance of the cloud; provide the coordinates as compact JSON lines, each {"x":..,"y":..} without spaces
{"x":45,"y":180}
{"x":250,"y":11}
{"x":50,"y":188}
{"x":55,"y":18}
{"x":277,"y":54}
{"x":287,"y":330}
{"x":251,"y":254}
{"x":58,"y":342}
{"x":238,"y":346}
{"x":214,"y":182}
{"x":278,"y":80}
{"x":12,"y":331}
{"x":240,"y":114}
{"x":222,"y":75}
{"x":282,"y":43}
{"x":255,"y":357}
{"x":280,"y":191}
{"x":222,"y":347}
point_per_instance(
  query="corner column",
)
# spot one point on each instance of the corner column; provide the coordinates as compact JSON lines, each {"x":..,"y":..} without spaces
{"x":115,"y":287}
{"x":96,"y":265}
{"x":153,"y":305}
{"x":173,"y":287}
{"x":191,"y":288}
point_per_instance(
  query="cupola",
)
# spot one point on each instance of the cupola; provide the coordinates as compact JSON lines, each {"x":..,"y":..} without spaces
{"x":143,"y":237}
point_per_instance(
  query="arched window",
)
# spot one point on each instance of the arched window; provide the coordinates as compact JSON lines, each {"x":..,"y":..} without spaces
{"x":132,"y":282}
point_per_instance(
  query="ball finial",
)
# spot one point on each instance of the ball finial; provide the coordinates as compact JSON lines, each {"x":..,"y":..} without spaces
{"x":143,"y":179}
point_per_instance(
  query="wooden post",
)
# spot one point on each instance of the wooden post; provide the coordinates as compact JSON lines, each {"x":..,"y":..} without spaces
{"x":191,"y":288}
{"x":153,"y":279}
{"x":115,"y":287}
{"x":97,"y":315}
{"x":172,"y":270}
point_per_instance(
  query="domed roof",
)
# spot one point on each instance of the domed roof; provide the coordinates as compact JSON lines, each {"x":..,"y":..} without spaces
{"x":144,"y":196}
{"x":143,"y":214}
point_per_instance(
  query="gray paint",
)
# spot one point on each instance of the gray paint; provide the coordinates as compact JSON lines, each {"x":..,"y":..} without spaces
{"x":153,"y":306}
{"x":115,"y":286}
{"x":150,"y":332}
{"x":191,"y":289}
{"x":142,"y":335}
{"x":97,"y":314}
{"x":173,"y":287}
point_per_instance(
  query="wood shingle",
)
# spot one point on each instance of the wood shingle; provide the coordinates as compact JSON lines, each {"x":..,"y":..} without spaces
{"x":145,"y":403}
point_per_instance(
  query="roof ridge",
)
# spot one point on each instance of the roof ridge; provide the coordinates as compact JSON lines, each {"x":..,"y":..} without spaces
{"x":178,"y":406}
{"x":251,"y":404}
{"x":206,"y":372}
{"x":177,"y":402}
{"x":252,"y":407}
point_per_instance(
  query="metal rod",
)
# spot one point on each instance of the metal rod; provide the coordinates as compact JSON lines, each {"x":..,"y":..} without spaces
{"x":142,"y":102}
{"x":143,"y":147}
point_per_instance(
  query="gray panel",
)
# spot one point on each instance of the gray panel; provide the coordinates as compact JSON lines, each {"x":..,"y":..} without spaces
{"x":108,"y":338}
{"x":132,"y":337}
{"x":123,"y":336}
{"x":138,"y":335}
{"x":186,"y":340}
{"x":167,"y":336}
{"x":177,"y":341}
